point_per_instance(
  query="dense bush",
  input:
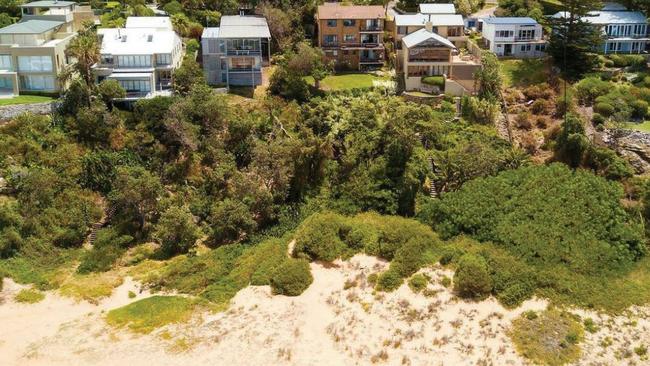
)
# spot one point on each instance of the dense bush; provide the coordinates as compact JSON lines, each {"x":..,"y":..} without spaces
{"x":176,"y":231}
{"x":598,"y":119}
{"x":588,"y":89}
{"x":543,"y":215}
{"x":472,"y":277}
{"x":604,"y":109}
{"x":108,"y":247}
{"x":292,"y":278}
{"x":481,"y":111}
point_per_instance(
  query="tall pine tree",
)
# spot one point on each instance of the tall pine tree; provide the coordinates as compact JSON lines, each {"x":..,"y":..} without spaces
{"x":574,"y":41}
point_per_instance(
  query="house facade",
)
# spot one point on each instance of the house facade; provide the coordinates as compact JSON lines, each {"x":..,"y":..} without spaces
{"x":624,"y":31}
{"x":32,"y":51}
{"x":352,"y":36}
{"x":426,"y":53}
{"x":449,"y":26}
{"x":142,"y":59}
{"x":519,"y":37}
{"x":234,"y":53}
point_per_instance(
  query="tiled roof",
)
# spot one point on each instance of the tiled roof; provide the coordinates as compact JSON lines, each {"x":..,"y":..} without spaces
{"x":337,"y":11}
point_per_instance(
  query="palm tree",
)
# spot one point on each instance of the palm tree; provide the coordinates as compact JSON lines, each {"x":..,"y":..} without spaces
{"x":85,"y":49}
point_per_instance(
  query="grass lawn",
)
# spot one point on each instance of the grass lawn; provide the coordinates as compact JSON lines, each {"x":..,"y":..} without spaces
{"x":523,"y":72}
{"x":346,"y":81}
{"x":643,"y":127}
{"x":25,"y":99}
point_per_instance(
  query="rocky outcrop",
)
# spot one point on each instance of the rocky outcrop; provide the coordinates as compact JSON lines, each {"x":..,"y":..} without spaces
{"x":633,"y":145}
{"x":9,"y":112}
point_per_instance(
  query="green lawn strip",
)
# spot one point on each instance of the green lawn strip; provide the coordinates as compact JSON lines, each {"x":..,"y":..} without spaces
{"x":347,"y":81}
{"x":145,"y":315}
{"x":523,"y":72}
{"x":643,"y":127}
{"x":25,"y":99}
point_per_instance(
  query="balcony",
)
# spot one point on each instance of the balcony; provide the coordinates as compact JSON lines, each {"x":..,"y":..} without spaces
{"x":243,"y":52}
{"x":244,"y":69}
{"x":371,"y":28}
{"x":378,"y":59}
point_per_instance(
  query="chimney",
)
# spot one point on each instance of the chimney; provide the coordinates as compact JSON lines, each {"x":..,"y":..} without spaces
{"x":429,"y":25}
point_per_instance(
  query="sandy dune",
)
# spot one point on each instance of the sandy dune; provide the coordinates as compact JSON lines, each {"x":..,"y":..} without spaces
{"x":326,"y":325}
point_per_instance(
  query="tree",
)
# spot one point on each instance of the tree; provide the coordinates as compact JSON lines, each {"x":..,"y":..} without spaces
{"x":187,"y":76}
{"x":173,"y":7}
{"x":572,"y":143}
{"x":230,"y":220}
{"x":573,"y":40}
{"x":488,"y":78}
{"x":280,"y":24}
{"x":472,"y":277}
{"x":291,"y":278}
{"x":310,"y":61}
{"x":84,"y":49}
{"x":109,"y":90}
{"x":135,"y":193}
{"x":176,"y":231}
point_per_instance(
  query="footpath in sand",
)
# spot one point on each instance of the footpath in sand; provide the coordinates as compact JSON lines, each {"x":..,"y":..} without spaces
{"x":339,"y":320}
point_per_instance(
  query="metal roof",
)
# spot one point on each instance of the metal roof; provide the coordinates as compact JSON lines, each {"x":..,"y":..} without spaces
{"x":248,"y":26}
{"x":437,"y":9}
{"x":138,"y":41}
{"x":405,"y":20}
{"x":48,"y":4}
{"x":210,"y":32}
{"x":30,"y":27}
{"x":423,"y":35}
{"x":149,"y":22}
{"x":509,"y":20}
{"x":611,"y":17}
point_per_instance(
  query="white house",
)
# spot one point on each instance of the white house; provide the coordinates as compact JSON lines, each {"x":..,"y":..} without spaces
{"x":437,"y":9}
{"x":520,"y":37}
{"x":234,"y":53}
{"x":141,"y":57}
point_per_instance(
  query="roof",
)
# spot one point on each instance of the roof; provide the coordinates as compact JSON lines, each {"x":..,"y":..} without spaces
{"x":30,"y":27}
{"x":149,"y":22}
{"x":509,"y":20}
{"x":48,"y":4}
{"x":210,"y":32}
{"x":337,"y":11}
{"x":138,"y":41}
{"x":611,"y":17}
{"x":437,"y":9}
{"x":423,"y":35}
{"x":247,"y":26}
{"x":404,"y":20}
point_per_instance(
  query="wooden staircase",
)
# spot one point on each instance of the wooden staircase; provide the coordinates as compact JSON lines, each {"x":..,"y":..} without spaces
{"x":106,"y":218}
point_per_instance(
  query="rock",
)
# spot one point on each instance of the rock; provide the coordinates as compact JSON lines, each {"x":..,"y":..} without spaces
{"x":9,"y":112}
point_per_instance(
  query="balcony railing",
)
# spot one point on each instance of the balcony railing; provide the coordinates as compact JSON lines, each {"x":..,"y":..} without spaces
{"x":371,"y":28}
{"x":236,"y":52}
{"x":244,"y":69}
{"x":372,"y":59}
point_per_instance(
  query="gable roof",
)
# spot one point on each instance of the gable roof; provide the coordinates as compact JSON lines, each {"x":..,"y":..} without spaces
{"x":30,"y":27}
{"x":337,"y":11}
{"x":48,"y":4}
{"x":611,"y":17}
{"x":243,"y":26}
{"x":149,"y":22}
{"x":412,"y":20}
{"x":509,"y":20}
{"x":423,"y":35}
{"x":437,"y":9}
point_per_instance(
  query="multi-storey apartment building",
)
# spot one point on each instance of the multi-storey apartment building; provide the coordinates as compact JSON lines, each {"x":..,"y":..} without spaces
{"x":352,"y":36}
{"x":426,"y":53}
{"x":520,"y":37}
{"x":234,"y":53}
{"x":624,"y":31}
{"x":32,"y":51}
{"x":142,"y":59}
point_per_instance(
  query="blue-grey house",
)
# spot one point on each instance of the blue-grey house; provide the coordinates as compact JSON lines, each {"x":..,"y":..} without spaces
{"x":234,"y":53}
{"x":625,"y":31}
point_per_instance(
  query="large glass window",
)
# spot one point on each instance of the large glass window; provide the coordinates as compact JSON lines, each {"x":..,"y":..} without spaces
{"x":37,"y":82}
{"x":330,"y":39}
{"x":34,"y":63}
{"x":5,"y":62}
{"x":331,"y":23}
{"x":527,"y":34}
{"x":132,"y":86}
{"x":6,"y":83}
{"x":163,"y":59}
{"x":134,"y":61}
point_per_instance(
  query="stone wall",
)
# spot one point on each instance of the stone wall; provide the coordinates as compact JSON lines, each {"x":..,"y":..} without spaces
{"x":9,"y":112}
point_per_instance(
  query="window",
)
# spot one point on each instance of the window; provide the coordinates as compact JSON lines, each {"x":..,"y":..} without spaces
{"x":137,"y":86}
{"x":6,"y":83}
{"x":35,"y":63}
{"x":401,"y":30}
{"x":37,"y":82}
{"x":527,"y":34}
{"x":611,"y":46}
{"x":222,"y":46}
{"x":505,"y":34}
{"x":163,"y":59}
{"x":134,"y":61}
{"x":330,"y":39}
{"x":5,"y":62}
{"x":540,"y":47}
{"x":331,"y":22}
{"x":107,"y":59}
{"x":349,"y":38}
{"x":525,"y":48}
{"x":349,"y":23}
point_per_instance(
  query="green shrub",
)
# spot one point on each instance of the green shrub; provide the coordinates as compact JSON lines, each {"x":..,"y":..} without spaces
{"x":588,"y":89}
{"x":319,"y":237}
{"x":472,"y":277}
{"x":604,"y":109}
{"x":176,"y":231}
{"x":29,"y":296}
{"x":438,"y":81}
{"x":108,"y":247}
{"x":292,"y":278}
{"x":418,"y":282}
{"x":598,"y":119}
{"x":143,"y":316}
{"x":389,"y":281}
{"x":590,"y":325}
{"x":639,"y":109}
{"x":445,"y":281}
{"x":192,"y":46}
